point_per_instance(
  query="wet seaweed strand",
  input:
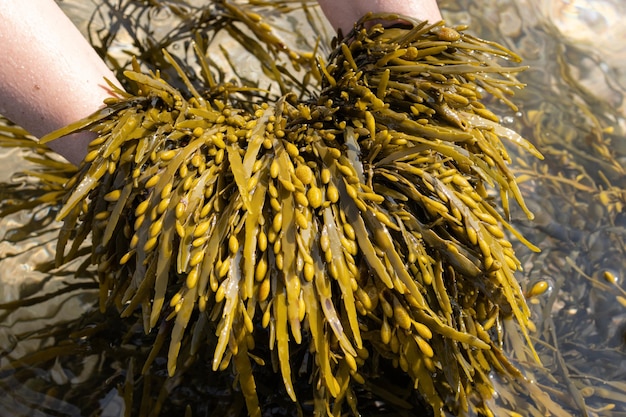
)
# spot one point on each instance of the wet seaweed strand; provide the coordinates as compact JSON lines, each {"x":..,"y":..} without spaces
{"x":359,"y":223}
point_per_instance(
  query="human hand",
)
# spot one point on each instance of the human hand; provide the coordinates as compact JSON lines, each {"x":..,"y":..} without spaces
{"x":343,"y":14}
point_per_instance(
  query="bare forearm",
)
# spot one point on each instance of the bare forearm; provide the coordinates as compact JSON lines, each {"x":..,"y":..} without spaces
{"x":49,"y":74}
{"x":343,"y":14}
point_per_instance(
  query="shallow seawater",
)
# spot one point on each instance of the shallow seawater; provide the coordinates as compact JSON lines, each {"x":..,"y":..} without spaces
{"x":573,"y":109}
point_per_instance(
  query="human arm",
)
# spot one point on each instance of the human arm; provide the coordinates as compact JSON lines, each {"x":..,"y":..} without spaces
{"x":343,"y":14}
{"x":49,"y":74}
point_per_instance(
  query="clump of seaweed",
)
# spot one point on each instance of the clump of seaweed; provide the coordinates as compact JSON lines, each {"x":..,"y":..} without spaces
{"x":357,"y":225}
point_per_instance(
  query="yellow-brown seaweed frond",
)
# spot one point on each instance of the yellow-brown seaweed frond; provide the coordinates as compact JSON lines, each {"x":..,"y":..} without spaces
{"x":359,"y":224}
{"x":219,"y":31}
{"x":40,"y":185}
